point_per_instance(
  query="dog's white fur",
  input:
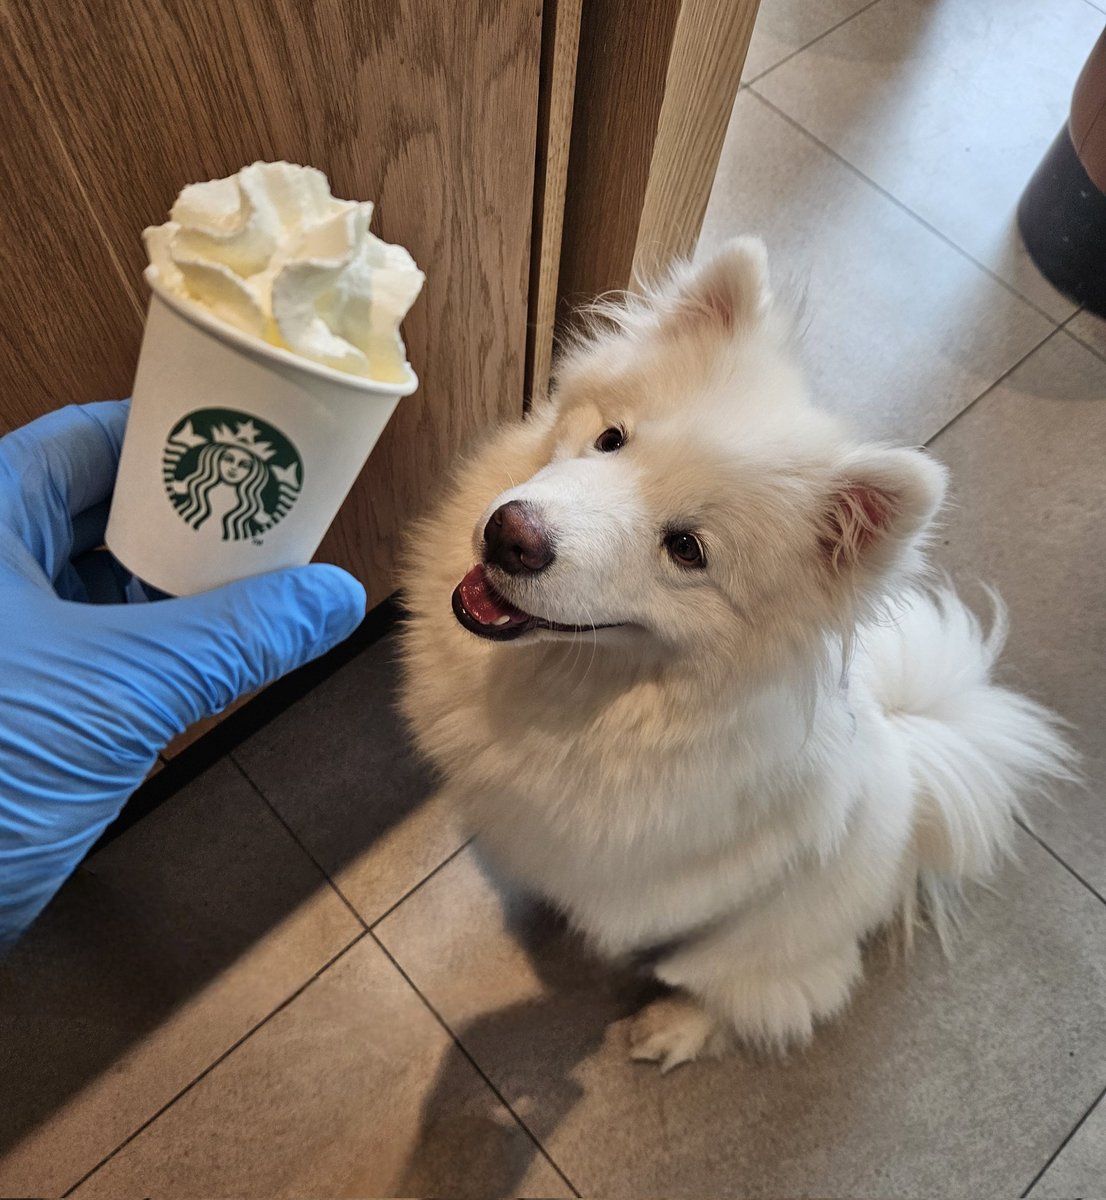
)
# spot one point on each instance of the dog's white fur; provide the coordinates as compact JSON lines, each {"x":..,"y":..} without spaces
{"x":766,"y":758}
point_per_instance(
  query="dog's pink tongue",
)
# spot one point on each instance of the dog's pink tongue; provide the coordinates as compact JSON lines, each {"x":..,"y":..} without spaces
{"x":483,"y":604}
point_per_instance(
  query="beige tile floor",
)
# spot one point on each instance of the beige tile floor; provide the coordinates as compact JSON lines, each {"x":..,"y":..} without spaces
{"x":296,"y":979}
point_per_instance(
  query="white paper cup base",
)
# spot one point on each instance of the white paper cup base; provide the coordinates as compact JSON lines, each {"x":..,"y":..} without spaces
{"x":237,"y":456}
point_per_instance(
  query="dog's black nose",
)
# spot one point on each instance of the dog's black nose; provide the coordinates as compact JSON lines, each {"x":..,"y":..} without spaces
{"x":516,"y":539}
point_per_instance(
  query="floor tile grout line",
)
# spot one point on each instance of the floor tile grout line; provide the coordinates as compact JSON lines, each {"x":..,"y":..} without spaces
{"x":1061,"y":328}
{"x":751,"y":89}
{"x":1067,"y":866}
{"x":364,"y":933}
{"x":1060,"y":1149}
{"x":425,"y":879}
{"x":474,"y":1064}
{"x":1101,"y":354}
{"x":813,"y":41}
{"x":991,"y":386}
{"x":295,"y":837}
{"x":363,"y":921}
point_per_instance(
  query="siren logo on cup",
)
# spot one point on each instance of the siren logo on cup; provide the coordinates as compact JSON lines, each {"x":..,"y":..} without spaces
{"x":230,"y":472}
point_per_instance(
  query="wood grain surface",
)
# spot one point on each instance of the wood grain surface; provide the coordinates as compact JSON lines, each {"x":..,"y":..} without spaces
{"x":620,"y":80}
{"x":427,"y":108}
{"x":69,"y":319}
{"x":708,"y":52}
{"x":560,"y":48}
{"x":653,"y":98}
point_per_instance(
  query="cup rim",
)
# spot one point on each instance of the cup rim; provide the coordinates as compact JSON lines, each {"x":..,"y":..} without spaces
{"x":240,"y":340}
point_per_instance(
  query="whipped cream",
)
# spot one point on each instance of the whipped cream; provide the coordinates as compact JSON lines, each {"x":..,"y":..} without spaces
{"x":273,"y":253}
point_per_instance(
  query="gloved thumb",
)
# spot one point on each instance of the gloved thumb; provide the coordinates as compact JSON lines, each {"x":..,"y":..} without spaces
{"x":203,"y":652}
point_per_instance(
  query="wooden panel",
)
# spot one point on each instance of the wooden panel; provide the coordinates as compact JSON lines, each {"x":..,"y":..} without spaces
{"x":653,"y":97}
{"x":428,"y":108}
{"x":704,"y":70}
{"x":619,"y":91}
{"x":560,"y":47}
{"x":69,"y":320}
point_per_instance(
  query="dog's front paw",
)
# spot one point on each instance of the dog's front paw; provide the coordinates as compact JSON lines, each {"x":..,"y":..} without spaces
{"x":674,"y":1031}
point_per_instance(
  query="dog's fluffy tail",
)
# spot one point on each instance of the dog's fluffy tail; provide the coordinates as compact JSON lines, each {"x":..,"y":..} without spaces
{"x":977,"y":750}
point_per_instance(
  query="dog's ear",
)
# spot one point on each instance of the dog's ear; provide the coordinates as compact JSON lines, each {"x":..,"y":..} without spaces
{"x":880,"y":502}
{"x":727,"y":293}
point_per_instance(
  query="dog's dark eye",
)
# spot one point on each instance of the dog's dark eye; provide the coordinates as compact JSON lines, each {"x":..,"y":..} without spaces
{"x":684,"y":549}
{"x":611,"y":439}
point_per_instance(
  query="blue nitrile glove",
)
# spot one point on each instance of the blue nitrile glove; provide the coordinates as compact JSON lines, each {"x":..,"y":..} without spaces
{"x":90,"y":692}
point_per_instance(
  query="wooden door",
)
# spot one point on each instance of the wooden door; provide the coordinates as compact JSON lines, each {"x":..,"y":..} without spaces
{"x":428,"y":108}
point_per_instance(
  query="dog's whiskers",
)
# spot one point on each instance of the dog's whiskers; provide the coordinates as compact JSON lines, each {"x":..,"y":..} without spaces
{"x":594,"y":647}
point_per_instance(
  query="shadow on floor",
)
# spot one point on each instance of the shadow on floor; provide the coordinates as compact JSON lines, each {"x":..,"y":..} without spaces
{"x":185,"y":897}
{"x":564,"y":1026}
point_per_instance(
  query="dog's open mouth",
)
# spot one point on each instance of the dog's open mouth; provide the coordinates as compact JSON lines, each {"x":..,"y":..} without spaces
{"x":483,"y":611}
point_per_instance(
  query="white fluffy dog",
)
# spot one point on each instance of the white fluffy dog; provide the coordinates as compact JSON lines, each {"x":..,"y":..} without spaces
{"x":689,"y":692}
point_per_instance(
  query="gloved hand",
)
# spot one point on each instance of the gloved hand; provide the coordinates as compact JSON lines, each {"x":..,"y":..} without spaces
{"x":90,"y":692}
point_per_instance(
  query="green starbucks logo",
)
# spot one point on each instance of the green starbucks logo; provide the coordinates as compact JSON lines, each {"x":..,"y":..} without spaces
{"x":230,"y":471}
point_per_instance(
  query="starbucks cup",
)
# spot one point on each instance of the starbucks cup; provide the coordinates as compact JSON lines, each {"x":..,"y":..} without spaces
{"x":237,"y":454}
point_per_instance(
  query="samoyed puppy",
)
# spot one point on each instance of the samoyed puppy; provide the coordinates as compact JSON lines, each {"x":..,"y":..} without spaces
{"x":668,"y":648}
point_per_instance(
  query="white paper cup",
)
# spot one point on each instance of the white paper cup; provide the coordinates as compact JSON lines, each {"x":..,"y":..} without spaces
{"x":237,"y":454}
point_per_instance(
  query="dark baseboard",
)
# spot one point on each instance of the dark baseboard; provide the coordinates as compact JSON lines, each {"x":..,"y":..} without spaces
{"x":229,"y":733}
